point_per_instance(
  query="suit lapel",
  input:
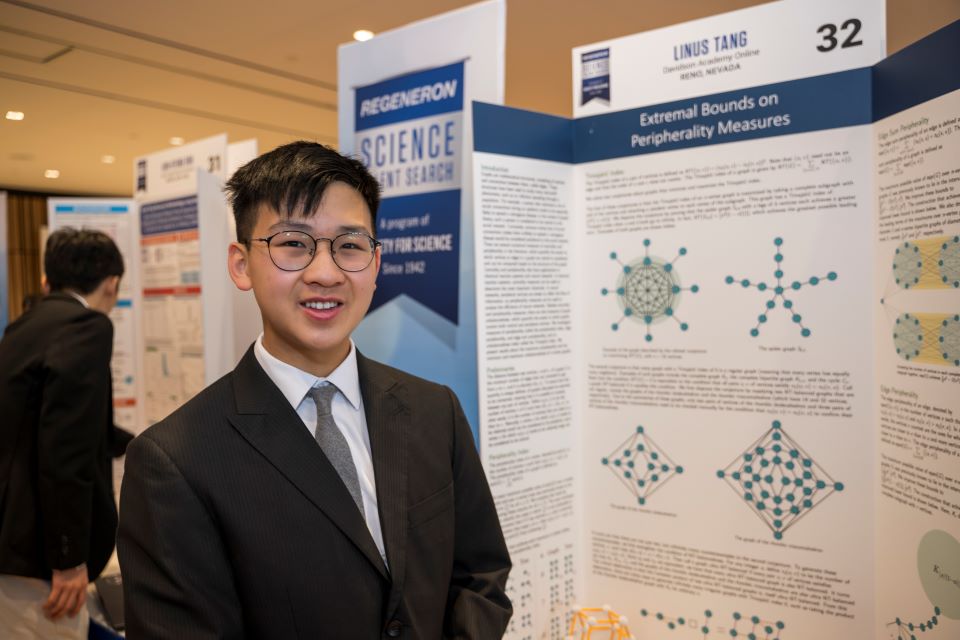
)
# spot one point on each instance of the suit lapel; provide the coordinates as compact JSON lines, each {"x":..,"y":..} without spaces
{"x":387,"y":411}
{"x":267,"y":421}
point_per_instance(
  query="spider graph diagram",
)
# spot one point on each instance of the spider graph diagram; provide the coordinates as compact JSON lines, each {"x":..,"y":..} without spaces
{"x":778,"y":290}
{"x":649,"y":290}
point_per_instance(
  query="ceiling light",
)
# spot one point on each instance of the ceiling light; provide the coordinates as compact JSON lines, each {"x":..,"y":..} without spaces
{"x":51,"y":173}
{"x":107,"y":159}
{"x":362,"y":35}
{"x":14,"y":115}
{"x":176,"y":141}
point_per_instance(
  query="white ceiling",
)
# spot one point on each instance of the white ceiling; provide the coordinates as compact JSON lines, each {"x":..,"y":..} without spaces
{"x":103,"y":77}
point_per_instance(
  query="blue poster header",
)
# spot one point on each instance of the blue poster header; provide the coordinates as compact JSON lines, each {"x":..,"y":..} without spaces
{"x":169,"y":216}
{"x":91,"y":208}
{"x":415,"y":95}
{"x":811,"y":104}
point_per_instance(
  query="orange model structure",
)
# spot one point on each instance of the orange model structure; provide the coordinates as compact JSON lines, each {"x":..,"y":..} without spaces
{"x":592,"y":623}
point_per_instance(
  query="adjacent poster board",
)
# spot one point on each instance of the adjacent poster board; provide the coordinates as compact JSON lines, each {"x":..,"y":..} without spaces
{"x":189,"y":335}
{"x":117,"y":218}
{"x":685,"y":407}
{"x":404,"y":111}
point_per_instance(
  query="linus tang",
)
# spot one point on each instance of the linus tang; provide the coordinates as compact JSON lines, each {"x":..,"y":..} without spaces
{"x":409,"y":145}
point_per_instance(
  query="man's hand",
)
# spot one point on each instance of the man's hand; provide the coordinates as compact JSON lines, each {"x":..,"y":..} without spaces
{"x":68,"y":592}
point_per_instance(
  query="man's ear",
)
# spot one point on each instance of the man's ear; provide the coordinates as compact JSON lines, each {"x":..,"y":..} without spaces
{"x":237,"y":264}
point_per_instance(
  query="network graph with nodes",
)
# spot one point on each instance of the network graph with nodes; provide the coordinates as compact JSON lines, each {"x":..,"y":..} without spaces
{"x":778,"y":480}
{"x":913,"y":630}
{"x":649,"y":290}
{"x":779,"y":289}
{"x":641,"y":465}
{"x":740,"y":626}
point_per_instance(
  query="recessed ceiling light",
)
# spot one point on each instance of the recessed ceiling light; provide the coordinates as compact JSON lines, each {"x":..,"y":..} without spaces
{"x":362,"y":35}
{"x":51,"y":173}
{"x":107,"y":159}
{"x":176,"y":141}
{"x":14,"y":115}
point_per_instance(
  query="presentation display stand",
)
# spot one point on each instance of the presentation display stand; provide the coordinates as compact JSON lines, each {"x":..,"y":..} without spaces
{"x":716,"y":331}
{"x":189,"y":333}
{"x":404,"y":111}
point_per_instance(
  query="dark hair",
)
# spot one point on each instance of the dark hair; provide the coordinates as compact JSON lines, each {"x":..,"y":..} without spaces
{"x":80,"y":259}
{"x":291,"y":179}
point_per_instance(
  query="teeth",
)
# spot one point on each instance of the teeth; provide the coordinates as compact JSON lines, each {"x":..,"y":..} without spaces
{"x":320,"y":305}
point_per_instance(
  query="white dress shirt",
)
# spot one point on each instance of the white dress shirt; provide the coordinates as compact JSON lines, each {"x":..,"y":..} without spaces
{"x":347,"y":409}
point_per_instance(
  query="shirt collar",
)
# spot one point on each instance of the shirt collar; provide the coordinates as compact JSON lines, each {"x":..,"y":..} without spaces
{"x":79,"y":297}
{"x":294,"y":383}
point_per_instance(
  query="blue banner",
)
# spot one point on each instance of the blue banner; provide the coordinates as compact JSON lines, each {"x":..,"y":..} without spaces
{"x":415,"y":95}
{"x":421,"y":251}
{"x":595,"y":76}
{"x":169,"y":216}
{"x":811,"y":104}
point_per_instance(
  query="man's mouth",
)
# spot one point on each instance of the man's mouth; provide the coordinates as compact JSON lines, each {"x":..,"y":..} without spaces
{"x":321,"y":306}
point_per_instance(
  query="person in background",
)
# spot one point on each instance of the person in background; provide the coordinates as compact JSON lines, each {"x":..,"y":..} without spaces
{"x":311,"y":492}
{"x":58,"y":516}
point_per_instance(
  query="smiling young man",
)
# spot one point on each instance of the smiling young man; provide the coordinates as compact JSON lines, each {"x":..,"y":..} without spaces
{"x":311,"y":492}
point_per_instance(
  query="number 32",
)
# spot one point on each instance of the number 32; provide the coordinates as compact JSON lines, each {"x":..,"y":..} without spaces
{"x":829,"y":32}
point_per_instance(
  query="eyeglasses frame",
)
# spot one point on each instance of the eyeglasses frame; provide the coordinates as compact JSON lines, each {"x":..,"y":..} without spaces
{"x":373,"y":249}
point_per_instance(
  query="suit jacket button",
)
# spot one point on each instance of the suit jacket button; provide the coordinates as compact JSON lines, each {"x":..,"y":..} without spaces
{"x":394,"y":628}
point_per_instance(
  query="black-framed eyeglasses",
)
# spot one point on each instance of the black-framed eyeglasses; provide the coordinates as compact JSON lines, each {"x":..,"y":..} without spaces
{"x":295,"y":250}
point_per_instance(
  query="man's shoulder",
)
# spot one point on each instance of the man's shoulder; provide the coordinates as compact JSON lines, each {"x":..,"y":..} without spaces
{"x":388,"y":375}
{"x":198,"y":419}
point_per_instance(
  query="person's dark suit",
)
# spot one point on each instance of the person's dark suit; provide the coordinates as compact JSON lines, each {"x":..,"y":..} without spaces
{"x":234,"y":524}
{"x":57,"y":508}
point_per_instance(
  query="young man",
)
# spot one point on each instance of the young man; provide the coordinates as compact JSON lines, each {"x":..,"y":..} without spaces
{"x":57,"y":513}
{"x":310,"y":493}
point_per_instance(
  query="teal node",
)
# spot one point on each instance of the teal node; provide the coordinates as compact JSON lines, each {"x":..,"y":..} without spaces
{"x":639,"y":430}
{"x":613,"y":255}
{"x":795,"y":285}
{"x":604,"y":461}
{"x":736,"y":615}
{"x":654,"y":478}
{"x":648,"y":338}
{"x":679,"y":469}
{"x":807,"y":462}
{"x":604,"y":291}
{"x":630,"y":464}
{"x":626,"y":453}
{"x":641,"y":500}
{"x":644,"y":613}
{"x":729,"y":279}
{"x":681,"y":621}
{"x":664,"y":468}
{"x":684,"y":326}
{"x":641,"y":482}
{"x":704,"y":630}
{"x":659,"y":616}
{"x":651,"y":466}
{"x":785,"y":481}
{"x":647,"y":261}
{"x":755,"y":620}
{"x":628,"y":311}
{"x":683,"y":251}
{"x":720,"y":474}
{"x":617,"y":463}
{"x":694,"y":288}
{"x":778,"y":258}
{"x":760,"y":506}
{"x":796,"y":317}
{"x":745,"y":283}
{"x":762,"y":318}
{"x":771,"y":304}
{"x":777,"y":460}
{"x":768,"y":629}
{"x":668,"y":311}
{"x":805,"y":333}
{"x":798,"y":482}
{"x":626,"y":474}
{"x":807,"y":475}
{"x":735,"y":475}
{"x":838,"y":486}
{"x":626,"y":268}
{"x":646,"y":242}
{"x":764,"y":463}
{"x":778,"y":290}
{"x":790,"y":465}
{"x":765,"y":494}
{"x":671,"y":626}
{"x":768,"y":479}
{"x":754,"y":333}
{"x":778,"y":241}
{"x":832,"y":276}
{"x":748,"y":497}
{"x":777,"y":448}
{"x":759,"y":451}
{"x":780,"y":625}
{"x":776,"y":424}
{"x":640,"y":447}
{"x":620,"y":291}
{"x":614,"y":326}
{"x":807,"y":491}
{"x":762,"y":286}
{"x":777,"y":511}
{"x":821,"y":484}
{"x":733,"y":633}
{"x":654,"y":455}
{"x":748,"y":485}
{"x":708,"y":613}
{"x":778,"y":273}
{"x":778,"y":535}
{"x":668,"y":267}
{"x":788,"y":304}
{"x":676,"y":289}
{"x":648,"y":319}
{"x":814,"y":280}
{"x":807,"y":504}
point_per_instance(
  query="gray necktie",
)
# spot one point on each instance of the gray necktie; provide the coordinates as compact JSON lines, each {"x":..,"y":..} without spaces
{"x":332,"y":442}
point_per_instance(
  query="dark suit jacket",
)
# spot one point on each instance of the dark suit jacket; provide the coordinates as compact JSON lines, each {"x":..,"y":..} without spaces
{"x":56,"y":420}
{"x":235,"y":525}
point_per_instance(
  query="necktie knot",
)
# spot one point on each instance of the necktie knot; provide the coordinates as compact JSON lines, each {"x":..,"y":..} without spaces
{"x":323,"y":397}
